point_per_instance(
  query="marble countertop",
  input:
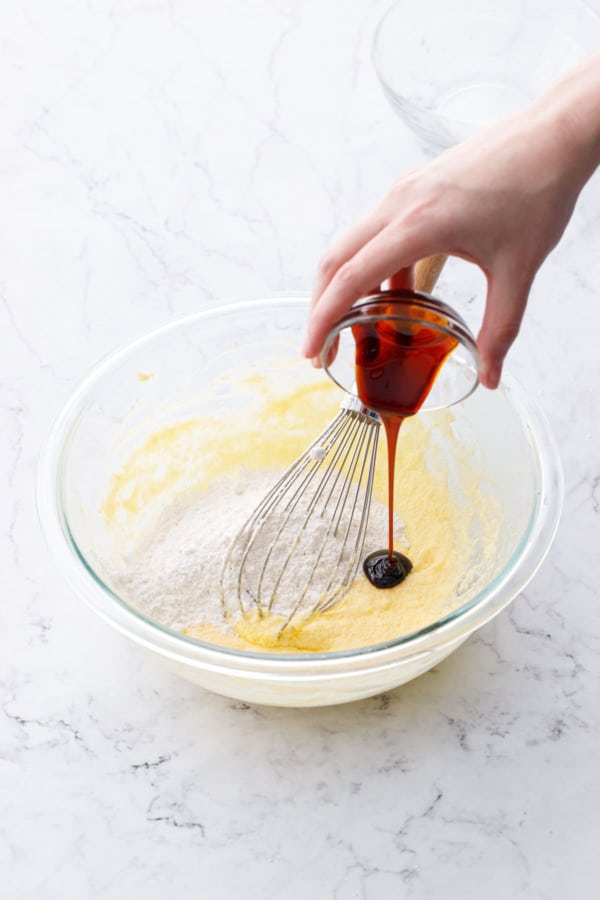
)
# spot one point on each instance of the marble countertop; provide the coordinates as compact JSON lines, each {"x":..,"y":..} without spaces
{"x":157,"y":158}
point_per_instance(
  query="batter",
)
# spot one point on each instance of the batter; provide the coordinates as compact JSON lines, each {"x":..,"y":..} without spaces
{"x":180,"y":498}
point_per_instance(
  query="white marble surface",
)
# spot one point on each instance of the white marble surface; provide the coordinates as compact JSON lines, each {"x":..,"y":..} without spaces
{"x":157,"y":158}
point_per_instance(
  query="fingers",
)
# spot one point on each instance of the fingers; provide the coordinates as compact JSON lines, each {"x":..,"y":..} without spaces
{"x":345,"y":248}
{"x":505,"y":305}
{"x":371,"y":264}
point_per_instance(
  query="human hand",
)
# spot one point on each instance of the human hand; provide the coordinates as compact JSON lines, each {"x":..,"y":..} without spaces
{"x":502,"y":200}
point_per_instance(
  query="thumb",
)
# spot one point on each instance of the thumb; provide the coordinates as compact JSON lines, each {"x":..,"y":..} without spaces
{"x":504,"y":308}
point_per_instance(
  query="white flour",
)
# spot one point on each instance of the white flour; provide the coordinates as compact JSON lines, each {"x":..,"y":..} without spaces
{"x":174,"y":574}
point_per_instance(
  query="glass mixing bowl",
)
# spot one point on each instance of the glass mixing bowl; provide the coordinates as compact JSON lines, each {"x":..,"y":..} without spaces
{"x":448,"y":69}
{"x":191,"y":367}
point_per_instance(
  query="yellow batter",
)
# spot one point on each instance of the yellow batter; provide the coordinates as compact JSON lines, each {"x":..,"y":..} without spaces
{"x":450,"y":523}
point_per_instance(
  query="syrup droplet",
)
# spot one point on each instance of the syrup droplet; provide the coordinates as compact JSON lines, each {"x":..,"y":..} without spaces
{"x":385,"y":571}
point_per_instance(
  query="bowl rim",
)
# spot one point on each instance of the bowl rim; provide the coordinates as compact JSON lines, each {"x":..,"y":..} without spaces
{"x":451,"y":629}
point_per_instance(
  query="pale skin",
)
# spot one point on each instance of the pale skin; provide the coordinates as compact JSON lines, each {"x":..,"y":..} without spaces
{"x":501,"y":200}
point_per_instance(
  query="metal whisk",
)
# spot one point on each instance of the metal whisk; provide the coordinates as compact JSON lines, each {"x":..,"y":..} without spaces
{"x":309,"y":530}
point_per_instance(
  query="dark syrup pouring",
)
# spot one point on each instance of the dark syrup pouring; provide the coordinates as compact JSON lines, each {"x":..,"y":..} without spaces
{"x":396,"y":365}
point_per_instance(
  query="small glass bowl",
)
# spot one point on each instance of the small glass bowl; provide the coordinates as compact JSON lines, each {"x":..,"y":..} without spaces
{"x":414,"y":323}
{"x":448,"y":69}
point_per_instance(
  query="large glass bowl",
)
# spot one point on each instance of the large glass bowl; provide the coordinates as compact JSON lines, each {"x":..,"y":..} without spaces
{"x":448,"y":69}
{"x":117,"y":405}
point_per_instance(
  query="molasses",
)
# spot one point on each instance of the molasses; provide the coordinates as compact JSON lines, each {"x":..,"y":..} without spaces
{"x":397,"y":360}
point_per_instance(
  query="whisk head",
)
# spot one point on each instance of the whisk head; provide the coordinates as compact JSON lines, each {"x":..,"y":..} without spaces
{"x":302,"y":546}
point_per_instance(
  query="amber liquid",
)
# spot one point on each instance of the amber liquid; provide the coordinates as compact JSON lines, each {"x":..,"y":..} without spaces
{"x":396,"y":365}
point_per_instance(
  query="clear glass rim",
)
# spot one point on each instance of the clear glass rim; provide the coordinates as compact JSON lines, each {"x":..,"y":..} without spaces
{"x":454,"y":327}
{"x":410,"y":106}
{"x":87,"y":583}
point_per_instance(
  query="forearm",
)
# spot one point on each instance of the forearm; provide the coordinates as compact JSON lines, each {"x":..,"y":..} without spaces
{"x":571,"y":109}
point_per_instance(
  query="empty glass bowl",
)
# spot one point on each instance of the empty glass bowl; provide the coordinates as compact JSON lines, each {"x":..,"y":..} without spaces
{"x":450,"y":68}
{"x":396,"y":343}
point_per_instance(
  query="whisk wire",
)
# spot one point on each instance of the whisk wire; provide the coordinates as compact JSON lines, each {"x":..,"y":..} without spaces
{"x":345,"y":423}
{"x":251,"y":529}
{"x":310,"y":527}
{"x":347,"y":470}
{"x":335,"y":586}
{"x":332,"y":598}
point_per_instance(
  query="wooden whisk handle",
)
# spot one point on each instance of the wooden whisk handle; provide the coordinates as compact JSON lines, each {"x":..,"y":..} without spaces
{"x":420,"y":277}
{"x":427,"y":272}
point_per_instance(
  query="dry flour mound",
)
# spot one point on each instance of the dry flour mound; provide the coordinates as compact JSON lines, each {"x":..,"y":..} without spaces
{"x":174,"y":574}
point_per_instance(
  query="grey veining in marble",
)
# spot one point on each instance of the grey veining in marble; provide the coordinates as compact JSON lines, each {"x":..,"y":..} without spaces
{"x":155,"y":158}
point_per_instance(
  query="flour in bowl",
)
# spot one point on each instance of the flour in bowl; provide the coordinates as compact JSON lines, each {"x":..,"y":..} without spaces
{"x":174,"y":574}
{"x":178,"y":499}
